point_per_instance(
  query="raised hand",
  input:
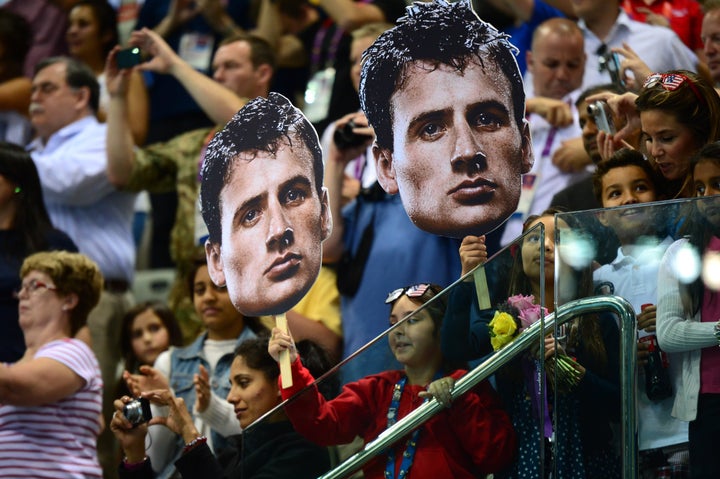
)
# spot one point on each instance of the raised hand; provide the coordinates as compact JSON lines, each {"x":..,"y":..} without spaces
{"x":472,"y":252}
{"x":148,"y":379}
{"x":280,"y":341}
{"x":131,"y":439}
{"x":202,"y":389}
{"x":178,"y":419}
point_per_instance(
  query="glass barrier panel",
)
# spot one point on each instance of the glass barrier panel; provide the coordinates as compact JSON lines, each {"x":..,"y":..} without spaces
{"x":650,"y":254}
{"x":434,"y":335}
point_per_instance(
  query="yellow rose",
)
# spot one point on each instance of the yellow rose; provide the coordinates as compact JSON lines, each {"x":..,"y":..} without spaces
{"x":502,"y":330}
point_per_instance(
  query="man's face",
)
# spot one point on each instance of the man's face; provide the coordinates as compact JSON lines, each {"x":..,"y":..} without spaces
{"x":233,"y":69}
{"x":457,"y":150}
{"x":589,"y":132}
{"x":710,"y":35}
{"x":273,"y":223}
{"x":557,"y":63}
{"x":53,"y":104}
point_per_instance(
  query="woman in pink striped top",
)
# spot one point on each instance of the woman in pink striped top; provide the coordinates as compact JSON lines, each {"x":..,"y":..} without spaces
{"x":50,"y":400}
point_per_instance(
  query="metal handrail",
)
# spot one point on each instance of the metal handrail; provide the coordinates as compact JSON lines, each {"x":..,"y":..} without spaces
{"x":628,"y":371}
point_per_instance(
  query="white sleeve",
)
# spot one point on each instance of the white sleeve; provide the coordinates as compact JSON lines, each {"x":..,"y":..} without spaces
{"x":220,"y":416}
{"x":676,"y":332}
{"x":161,"y":441}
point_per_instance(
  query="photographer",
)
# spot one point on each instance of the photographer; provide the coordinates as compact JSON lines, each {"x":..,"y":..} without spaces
{"x":269,"y":449}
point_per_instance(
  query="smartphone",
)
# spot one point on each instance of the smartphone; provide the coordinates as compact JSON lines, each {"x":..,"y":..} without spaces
{"x":600,"y":111}
{"x":128,"y":57}
{"x":611,"y":62}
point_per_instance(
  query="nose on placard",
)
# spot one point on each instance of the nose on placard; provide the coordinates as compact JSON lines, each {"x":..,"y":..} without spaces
{"x":287,"y":238}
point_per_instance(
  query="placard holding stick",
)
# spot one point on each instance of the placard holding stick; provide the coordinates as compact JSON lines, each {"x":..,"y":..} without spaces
{"x":285,"y":370}
{"x":481,"y":288}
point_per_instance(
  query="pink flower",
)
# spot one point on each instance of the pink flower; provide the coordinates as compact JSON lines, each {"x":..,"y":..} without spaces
{"x":521,"y":302}
{"x":529,"y":312}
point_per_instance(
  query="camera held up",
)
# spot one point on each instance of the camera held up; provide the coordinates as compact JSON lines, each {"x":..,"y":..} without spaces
{"x":137,"y":411}
{"x":600,"y":111}
{"x":345,"y":137}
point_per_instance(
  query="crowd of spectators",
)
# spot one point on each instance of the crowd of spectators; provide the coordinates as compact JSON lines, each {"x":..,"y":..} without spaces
{"x":81,"y":134}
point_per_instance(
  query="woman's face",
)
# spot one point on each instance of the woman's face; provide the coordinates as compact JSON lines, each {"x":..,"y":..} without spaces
{"x":83,"y":33}
{"x":415,"y":342}
{"x":38,"y":301}
{"x":669,"y":143}
{"x":531,"y":250}
{"x":213,"y":305}
{"x":149,"y":337}
{"x":251,"y":393}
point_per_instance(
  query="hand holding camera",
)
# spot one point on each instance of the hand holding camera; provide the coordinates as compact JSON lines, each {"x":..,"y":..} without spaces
{"x":133,"y":415}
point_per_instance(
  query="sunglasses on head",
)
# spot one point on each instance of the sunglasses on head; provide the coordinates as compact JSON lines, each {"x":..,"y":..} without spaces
{"x":671,"y":82}
{"x":414,"y":291}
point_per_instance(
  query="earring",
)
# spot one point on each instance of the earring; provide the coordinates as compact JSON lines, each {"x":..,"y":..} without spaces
{"x":17,"y":190}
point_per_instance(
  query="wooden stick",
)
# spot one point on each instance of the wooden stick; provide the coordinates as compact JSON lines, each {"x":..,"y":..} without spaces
{"x":481,"y":288}
{"x":285,"y":370}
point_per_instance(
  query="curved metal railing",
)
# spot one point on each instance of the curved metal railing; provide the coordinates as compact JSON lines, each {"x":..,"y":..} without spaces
{"x":628,"y":371}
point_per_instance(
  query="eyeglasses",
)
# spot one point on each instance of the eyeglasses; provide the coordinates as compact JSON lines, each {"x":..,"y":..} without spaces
{"x":671,"y":82}
{"x":31,"y":287}
{"x":414,"y":291}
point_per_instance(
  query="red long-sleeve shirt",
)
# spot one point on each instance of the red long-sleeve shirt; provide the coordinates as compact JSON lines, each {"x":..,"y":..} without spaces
{"x":474,"y":436}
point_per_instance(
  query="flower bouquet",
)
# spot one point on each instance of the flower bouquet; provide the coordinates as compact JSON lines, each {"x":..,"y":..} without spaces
{"x":516,"y":315}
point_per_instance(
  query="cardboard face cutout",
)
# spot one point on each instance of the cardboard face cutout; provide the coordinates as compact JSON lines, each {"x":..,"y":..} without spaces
{"x":445,"y":97}
{"x":264,"y":205}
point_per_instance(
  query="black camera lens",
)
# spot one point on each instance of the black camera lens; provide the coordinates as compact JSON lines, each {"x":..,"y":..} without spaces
{"x":345,"y":137}
{"x":137,"y":411}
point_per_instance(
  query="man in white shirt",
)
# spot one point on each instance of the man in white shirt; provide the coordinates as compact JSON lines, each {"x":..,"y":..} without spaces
{"x":556,"y":63}
{"x":605,"y":26}
{"x":69,"y":153}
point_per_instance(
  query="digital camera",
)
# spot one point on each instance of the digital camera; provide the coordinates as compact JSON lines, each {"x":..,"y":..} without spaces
{"x":345,"y":137}
{"x":600,"y":111}
{"x":137,"y":411}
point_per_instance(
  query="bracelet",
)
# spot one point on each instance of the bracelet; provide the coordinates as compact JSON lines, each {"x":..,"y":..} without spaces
{"x":194,"y":443}
{"x":132,"y":466}
{"x":717,"y":332}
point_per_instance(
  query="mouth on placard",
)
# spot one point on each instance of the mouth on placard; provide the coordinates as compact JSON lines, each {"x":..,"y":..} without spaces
{"x":473,"y":192}
{"x":284,"y":267}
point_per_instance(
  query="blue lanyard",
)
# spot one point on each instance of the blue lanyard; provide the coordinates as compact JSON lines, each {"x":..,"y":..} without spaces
{"x":411,"y":444}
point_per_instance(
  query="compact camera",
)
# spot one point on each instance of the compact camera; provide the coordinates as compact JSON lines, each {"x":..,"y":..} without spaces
{"x":610,"y":61}
{"x":137,"y":411}
{"x":345,"y":137}
{"x":600,"y":111}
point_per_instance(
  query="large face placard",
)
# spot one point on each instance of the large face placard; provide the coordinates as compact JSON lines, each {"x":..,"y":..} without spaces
{"x":264,"y":205}
{"x":445,"y":97}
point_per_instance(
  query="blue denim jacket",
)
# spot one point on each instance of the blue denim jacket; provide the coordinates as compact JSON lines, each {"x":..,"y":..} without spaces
{"x":184,"y":364}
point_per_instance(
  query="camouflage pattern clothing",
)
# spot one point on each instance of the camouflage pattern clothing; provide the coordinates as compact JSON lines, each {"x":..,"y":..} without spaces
{"x":174,"y":166}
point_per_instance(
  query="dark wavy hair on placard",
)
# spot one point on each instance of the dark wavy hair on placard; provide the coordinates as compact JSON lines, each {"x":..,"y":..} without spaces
{"x":263,"y":125}
{"x":438,"y":34}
